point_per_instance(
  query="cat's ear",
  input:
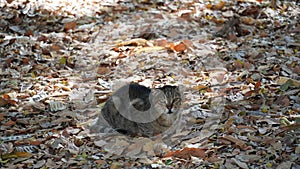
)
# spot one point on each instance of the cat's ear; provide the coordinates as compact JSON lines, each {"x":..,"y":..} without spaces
{"x":155,"y":94}
{"x":117,"y":102}
{"x":181,"y":88}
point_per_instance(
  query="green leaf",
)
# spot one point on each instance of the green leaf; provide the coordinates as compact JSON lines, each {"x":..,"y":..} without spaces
{"x":169,"y":162}
{"x":297,"y":120}
{"x":63,"y":61}
{"x":286,"y":85}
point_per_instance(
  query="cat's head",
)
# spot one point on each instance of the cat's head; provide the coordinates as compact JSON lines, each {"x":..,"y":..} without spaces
{"x":170,"y":99}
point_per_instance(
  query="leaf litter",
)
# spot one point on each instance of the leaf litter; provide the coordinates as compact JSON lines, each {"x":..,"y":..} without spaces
{"x":238,"y":62}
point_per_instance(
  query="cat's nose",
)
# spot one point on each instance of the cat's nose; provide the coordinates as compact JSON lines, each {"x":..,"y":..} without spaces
{"x":169,"y":107}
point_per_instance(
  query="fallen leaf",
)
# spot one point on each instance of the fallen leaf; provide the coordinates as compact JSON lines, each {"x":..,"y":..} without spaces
{"x":286,"y":85}
{"x":241,"y":144}
{"x":220,"y":5}
{"x":17,"y":155}
{"x":161,"y":42}
{"x":3,"y":102}
{"x":283,"y":100}
{"x":70,"y":25}
{"x":187,"y":153}
{"x":9,"y":123}
{"x":180,"y":47}
{"x":150,"y":49}
{"x":103,"y":70}
{"x":134,"y":42}
{"x":282,"y":80}
{"x":1,"y":117}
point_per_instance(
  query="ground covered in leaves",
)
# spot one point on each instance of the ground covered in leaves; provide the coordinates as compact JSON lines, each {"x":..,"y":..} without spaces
{"x":239,"y":63}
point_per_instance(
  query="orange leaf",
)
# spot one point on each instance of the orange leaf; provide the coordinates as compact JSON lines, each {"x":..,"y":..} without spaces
{"x":209,"y":6}
{"x":187,"y":153}
{"x":220,"y":5}
{"x":172,"y":46}
{"x":257,"y":85}
{"x":6,"y":96}
{"x":180,"y":47}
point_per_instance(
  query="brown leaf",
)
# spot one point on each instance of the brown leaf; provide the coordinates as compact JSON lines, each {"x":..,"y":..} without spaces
{"x":3,"y":102}
{"x":9,"y":123}
{"x":283,"y":100}
{"x":55,"y":47}
{"x":240,"y":127}
{"x":238,"y":64}
{"x":201,"y":88}
{"x":23,"y":154}
{"x":70,"y":25}
{"x":220,"y":5}
{"x":29,"y":33}
{"x":161,"y":42}
{"x":103,"y":70}
{"x":188,"y":43}
{"x":100,"y":162}
{"x":42,"y":38}
{"x":187,"y":153}
{"x":232,"y":37}
{"x":241,"y":144}
{"x":35,"y":142}
{"x":1,"y":117}
{"x":296,"y":69}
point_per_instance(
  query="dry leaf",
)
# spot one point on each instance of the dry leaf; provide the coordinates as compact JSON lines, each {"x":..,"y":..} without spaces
{"x":150,"y":49}
{"x":3,"y":102}
{"x":220,"y":5}
{"x":9,"y":123}
{"x":241,"y":144}
{"x":70,"y":25}
{"x":17,"y":155}
{"x":1,"y":117}
{"x":134,"y":42}
{"x":161,"y":42}
{"x":180,"y":47}
{"x":187,"y":153}
{"x":103,"y":70}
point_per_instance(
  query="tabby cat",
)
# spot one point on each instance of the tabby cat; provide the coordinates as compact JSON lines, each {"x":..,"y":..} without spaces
{"x":136,"y":110}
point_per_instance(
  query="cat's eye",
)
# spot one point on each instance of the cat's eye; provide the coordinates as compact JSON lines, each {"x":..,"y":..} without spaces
{"x":176,"y":100}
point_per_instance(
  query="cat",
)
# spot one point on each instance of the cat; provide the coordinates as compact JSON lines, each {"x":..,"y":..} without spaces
{"x":136,"y":110}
